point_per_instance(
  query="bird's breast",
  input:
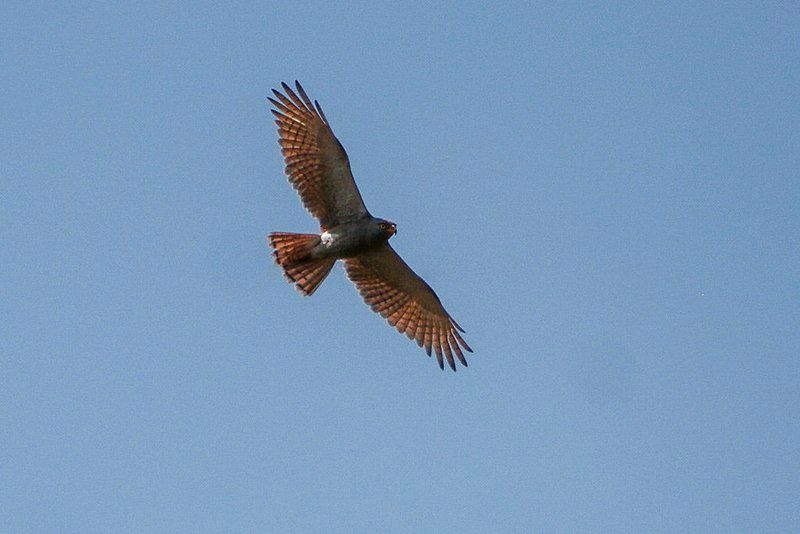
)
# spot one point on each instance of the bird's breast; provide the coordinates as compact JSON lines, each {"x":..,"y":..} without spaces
{"x":348,"y":240}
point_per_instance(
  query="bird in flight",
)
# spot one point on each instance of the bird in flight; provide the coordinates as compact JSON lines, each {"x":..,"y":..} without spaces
{"x":319,"y":169}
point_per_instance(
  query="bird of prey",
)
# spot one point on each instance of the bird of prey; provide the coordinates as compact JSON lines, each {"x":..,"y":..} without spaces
{"x":319,"y":169}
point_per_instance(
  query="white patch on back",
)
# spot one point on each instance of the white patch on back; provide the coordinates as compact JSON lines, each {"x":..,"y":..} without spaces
{"x":327,"y":238}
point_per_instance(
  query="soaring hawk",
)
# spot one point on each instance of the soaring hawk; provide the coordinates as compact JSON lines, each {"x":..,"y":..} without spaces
{"x":318,"y":168}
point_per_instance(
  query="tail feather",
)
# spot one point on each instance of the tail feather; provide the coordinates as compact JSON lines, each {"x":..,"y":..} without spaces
{"x":292,"y":254}
{"x":309,"y":275}
{"x":292,"y":248}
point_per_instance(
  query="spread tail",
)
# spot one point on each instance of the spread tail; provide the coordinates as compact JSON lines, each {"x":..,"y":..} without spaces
{"x":292,"y":254}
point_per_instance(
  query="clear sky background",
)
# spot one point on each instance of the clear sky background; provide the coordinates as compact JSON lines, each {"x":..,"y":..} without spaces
{"x":605,"y":196}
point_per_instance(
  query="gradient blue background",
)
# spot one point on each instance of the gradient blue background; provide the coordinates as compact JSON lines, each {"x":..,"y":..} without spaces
{"x":605,"y":196}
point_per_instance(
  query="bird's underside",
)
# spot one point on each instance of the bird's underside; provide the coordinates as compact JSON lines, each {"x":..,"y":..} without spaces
{"x":318,"y":168}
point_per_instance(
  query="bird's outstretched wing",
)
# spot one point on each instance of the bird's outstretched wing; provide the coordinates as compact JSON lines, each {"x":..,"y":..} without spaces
{"x":316,"y":163}
{"x":392,"y":289}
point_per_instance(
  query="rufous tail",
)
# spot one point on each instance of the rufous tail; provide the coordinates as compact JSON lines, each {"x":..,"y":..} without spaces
{"x":292,"y":254}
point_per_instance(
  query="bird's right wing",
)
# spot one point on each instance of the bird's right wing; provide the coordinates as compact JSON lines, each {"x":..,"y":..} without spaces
{"x":316,"y":163}
{"x":392,"y":289}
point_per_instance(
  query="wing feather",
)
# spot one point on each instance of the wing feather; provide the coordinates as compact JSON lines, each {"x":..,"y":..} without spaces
{"x":392,"y":289}
{"x":316,"y":163}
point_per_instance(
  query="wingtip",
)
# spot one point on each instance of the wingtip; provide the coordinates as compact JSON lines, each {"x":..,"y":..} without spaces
{"x":321,"y":113}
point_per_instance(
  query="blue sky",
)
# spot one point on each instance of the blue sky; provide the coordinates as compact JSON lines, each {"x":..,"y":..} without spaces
{"x":605,"y":196}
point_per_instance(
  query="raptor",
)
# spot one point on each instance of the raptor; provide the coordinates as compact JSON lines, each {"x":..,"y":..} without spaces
{"x":319,"y":169}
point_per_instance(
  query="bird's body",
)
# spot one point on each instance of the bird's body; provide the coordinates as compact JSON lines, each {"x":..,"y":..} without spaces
{"x":350,"y":239}
{"x":319,"y":170}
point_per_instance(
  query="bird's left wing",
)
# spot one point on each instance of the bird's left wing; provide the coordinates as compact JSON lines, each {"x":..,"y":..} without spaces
{"x":316,"y":163}
{"x":393,"y":290}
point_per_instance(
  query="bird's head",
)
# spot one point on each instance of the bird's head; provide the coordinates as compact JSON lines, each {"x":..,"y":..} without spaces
{"x":387,"y":227}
